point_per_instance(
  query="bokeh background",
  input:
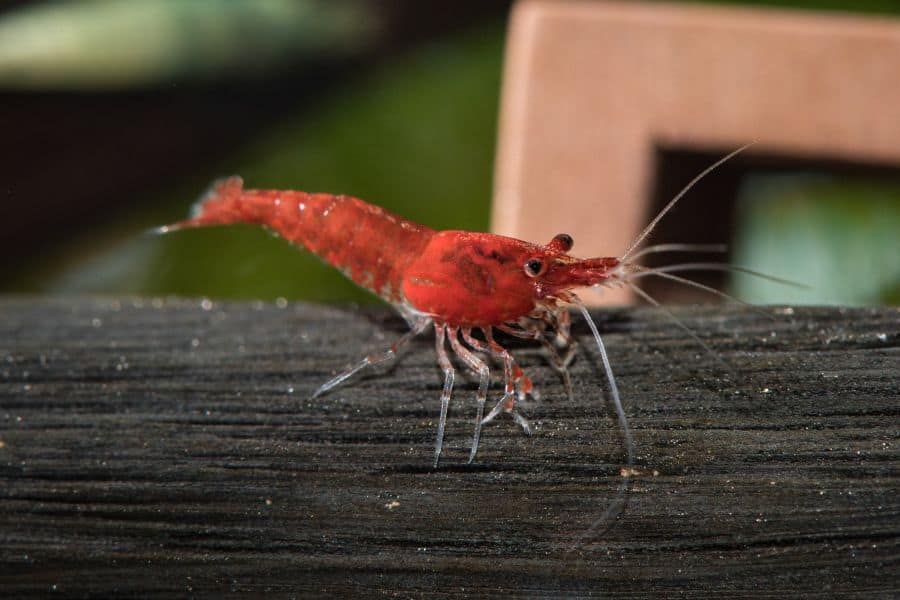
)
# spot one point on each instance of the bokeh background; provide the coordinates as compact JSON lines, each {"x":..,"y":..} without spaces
{"x":116,"y":114}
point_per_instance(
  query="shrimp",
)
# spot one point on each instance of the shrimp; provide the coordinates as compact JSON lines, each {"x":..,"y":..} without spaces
{"x":458,"y":282}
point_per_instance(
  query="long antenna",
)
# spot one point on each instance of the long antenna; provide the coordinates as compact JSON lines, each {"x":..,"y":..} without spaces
{"x":680,"y":248}
{"x":712,"y":266}
{"x":647,"y":271}
{"x":618,"y":504}
{"x":678,"y":196}
{"x":681,"y":324}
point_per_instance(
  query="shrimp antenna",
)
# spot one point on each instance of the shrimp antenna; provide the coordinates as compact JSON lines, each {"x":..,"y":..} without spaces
{"x":678,"y":196}
{"x":681,"y":324}
{"x":680,"y":248}
{"x":647,"y":271}
{"x":728,"y":267}
{"x":618,"y":504}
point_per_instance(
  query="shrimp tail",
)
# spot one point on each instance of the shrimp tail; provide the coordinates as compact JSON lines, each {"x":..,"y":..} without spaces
{"x":220,"y":204}
{"x":224,"y":203}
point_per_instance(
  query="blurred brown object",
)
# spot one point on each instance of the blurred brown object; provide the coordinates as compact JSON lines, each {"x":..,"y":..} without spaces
{"x":592,"y":90}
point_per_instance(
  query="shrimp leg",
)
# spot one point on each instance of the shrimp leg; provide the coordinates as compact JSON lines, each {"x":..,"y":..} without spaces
{"x":517,"y":382}
{"x":484,"y":381}
{"x":564,"y":347}
{"x":418,"y":327}
{"x":559,"y":362}
{"x":447,"y":368}
{"x":513,"y":375}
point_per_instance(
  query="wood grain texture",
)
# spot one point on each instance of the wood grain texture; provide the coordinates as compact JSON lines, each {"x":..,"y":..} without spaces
{"x":161,"y":448}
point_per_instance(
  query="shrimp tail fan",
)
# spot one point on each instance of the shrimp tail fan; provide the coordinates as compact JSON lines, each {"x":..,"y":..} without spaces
{"x":220,"y":204}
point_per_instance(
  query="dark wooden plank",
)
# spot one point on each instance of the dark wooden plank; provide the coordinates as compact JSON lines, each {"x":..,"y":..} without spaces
{"x":159,"y":448}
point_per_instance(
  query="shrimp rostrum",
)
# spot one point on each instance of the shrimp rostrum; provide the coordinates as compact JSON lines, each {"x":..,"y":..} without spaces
{"x":465,"y":285}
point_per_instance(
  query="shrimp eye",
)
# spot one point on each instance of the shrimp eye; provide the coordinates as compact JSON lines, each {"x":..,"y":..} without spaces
{"x":534,"y":267}
{"x":563,"y":241}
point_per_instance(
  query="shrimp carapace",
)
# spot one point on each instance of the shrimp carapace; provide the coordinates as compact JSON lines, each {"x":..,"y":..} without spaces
{"x":481,"y":279}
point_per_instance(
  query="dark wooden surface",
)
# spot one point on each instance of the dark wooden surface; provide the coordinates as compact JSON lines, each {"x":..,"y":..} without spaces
{"x":171,"y":448}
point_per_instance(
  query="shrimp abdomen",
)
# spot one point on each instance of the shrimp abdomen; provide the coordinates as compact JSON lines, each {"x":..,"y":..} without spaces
{"x":367,"y":243}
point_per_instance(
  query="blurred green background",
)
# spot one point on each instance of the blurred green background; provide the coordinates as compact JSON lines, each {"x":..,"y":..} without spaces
{"x":116,"y":115}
